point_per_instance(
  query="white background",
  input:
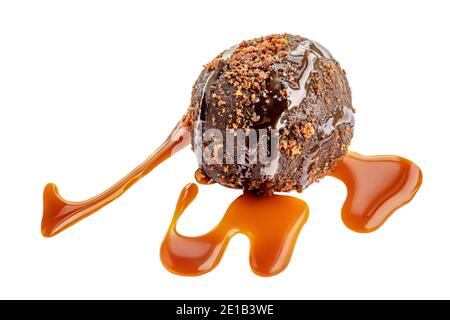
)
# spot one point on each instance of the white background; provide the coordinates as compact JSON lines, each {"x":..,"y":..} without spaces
{"x":88,"y":89}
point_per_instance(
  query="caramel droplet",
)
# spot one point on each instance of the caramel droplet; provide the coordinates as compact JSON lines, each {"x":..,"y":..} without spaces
{"x":201,"y":178}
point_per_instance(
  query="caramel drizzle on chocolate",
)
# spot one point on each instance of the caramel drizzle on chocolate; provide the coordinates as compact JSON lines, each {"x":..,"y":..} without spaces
{"x":59,"y":214}
{"x":272,"y":225}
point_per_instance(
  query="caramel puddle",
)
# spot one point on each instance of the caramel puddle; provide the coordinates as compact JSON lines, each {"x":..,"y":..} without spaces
{"x":376,"y":187}
{"x":60,"y":214}
{"x":272,"y":225}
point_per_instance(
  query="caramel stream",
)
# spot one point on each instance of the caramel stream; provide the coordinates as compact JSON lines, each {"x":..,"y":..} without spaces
{"x":60,"y":214}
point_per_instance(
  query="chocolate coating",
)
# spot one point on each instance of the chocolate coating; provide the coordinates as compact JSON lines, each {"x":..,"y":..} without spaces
{"x":286,"y":83}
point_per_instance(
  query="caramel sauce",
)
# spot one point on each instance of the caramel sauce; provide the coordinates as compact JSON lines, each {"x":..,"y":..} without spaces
{"x":376,"y":187}
{"x":201,"y":178}
{"x":272,"y":225}
{"x":60,"y":214}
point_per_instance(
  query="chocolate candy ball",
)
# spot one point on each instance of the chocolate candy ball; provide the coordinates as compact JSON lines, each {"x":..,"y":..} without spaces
{"x":271,"y":114}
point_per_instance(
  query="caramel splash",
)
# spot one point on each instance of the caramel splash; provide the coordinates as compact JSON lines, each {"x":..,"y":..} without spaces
{"x":271,"y":223}
{"x":377,"y":186}
{"x":60,"y":214}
